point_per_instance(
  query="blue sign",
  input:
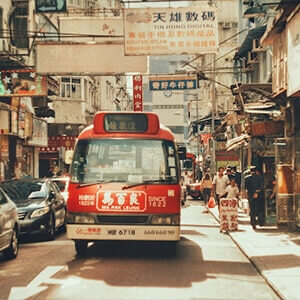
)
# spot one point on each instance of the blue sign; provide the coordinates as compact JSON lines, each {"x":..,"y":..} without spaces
{"x":162,"y":84}
{"x":49,"y":6}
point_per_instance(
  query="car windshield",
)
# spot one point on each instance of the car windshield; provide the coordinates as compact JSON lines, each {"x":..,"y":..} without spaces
{"x":19,"y":190}
{"x":124,"y":160}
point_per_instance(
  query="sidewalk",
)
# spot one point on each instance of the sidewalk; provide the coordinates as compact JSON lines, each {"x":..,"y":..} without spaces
{"x":274,"y":252}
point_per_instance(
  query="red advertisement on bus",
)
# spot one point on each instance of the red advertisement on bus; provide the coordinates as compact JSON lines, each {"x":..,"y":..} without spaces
{"x":124,"y":181}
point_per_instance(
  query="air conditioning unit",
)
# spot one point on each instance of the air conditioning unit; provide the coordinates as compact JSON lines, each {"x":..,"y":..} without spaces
{"x":227,"y":25}
{"x":256,"y":47}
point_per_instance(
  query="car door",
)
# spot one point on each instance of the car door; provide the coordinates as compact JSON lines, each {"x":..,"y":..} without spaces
{"x":58,"y":204}
{"x":6,"y":220}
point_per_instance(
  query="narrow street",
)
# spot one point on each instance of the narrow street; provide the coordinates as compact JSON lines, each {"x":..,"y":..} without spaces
{"x":206,"y":265}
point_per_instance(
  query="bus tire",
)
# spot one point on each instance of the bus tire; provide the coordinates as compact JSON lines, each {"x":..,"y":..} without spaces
{"x":81,"y":247}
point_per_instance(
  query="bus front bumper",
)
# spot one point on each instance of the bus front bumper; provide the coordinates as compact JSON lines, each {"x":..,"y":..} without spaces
{"x":92,"y":232}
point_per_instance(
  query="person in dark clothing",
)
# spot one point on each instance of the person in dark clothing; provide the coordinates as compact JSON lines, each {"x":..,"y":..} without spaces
{"x":254,"y":186}
{"x":237,"y":175}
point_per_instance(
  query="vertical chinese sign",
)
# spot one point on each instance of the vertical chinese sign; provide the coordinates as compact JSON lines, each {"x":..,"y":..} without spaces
{"x":137,"y":93}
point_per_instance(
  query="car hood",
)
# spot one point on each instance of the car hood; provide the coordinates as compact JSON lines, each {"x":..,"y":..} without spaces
{"x":30,"y":203}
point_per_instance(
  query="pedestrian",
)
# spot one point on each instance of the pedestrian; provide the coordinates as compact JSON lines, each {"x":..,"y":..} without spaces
{"x":220,"y":183}
{"x":229,"y":173}
{"x":254,"y":187}
{"x":237,"y":176}
{"x":231,"y":191}
{"x":206,"y":186}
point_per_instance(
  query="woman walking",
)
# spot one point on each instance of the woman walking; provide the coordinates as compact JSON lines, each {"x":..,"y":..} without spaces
{"x":206,"y":186}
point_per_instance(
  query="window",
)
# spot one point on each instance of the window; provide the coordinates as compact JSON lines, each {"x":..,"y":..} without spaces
{"x":19,"y":24}
{"x":1,"y":22}
{"x":71,"y":88}
{"x":125,"y":160}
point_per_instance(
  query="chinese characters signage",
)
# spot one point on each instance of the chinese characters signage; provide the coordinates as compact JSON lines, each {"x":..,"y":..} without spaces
{"x":158,"y":31}
{"x":22,"y":83}
{"x":46,"y":6}
{"x":137,"y":93}
{"x":121,"y":201}
{"x":172,"y":83}
{"x":39,"y":133}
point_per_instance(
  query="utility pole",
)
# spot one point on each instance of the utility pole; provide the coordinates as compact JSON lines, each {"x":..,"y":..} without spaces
{"x":213,"y":94}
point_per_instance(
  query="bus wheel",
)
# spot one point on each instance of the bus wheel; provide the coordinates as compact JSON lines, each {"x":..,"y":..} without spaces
{"x":81,"y":247}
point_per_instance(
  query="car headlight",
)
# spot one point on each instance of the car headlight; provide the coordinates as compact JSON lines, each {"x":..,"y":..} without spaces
{"x":39,"y":212}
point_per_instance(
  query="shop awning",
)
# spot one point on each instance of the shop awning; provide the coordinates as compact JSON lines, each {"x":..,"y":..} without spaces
{"x":260,"y":88}
{"x":237,"y":142}
{"x":278,"y":24}
{"x":253,"y":34}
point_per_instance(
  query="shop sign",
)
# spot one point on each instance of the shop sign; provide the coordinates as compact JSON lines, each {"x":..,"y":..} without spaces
{"x":19,"y":149}
{"x":267,"y":128}
{"x":138,"y":93}
{"x":39,"y":133}
{"x":19,"y":83}
{"x":159,"y":31}
{"x":4,"y":122}
{"x":56,"y":142}
{"x":4,"y":146}
{"x":53,"y":6}
{"x":293,"y":54}
{"x":172,"y":83}
{"x":28,"y":125}
{"x":14,"y":122}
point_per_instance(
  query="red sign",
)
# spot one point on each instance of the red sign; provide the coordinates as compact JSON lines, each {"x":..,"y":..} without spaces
{"x":121,"y":201}
{"x":55,"y":142}
{"x":138,"y":93}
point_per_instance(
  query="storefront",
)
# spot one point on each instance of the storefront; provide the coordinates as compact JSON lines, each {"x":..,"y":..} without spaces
{"x":56,"y":154}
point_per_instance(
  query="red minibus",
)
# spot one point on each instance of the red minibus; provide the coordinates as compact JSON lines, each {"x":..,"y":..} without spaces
{"x":124,"y":181}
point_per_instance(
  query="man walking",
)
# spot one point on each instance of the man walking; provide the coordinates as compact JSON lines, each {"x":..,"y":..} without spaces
{"x":254,"y":187}
{"x":220,"y":183}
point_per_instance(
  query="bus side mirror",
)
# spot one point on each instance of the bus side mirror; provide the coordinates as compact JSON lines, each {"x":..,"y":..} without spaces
{"x":182,"y":153}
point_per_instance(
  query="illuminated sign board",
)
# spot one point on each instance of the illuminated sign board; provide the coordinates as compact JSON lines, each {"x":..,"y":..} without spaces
{"x":126,"y":123}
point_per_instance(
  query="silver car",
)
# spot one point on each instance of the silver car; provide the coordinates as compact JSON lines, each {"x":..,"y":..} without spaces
{"x":9,"y":226}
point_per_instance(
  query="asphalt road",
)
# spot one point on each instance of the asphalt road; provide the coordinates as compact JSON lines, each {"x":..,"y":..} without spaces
{"x":204,"y":265}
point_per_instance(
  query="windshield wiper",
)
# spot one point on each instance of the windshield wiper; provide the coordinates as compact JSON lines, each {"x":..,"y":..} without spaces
{"x":144,"y":182}
{"x":97,"y":182}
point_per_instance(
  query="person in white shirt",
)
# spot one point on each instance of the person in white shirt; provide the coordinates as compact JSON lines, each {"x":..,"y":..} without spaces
{"x":231,"y":191}
{"x":220,"y":183}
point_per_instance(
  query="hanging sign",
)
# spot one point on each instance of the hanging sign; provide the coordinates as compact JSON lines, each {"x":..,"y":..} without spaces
{"x":53,"y":6}
{"x":137,"y":93}
{"x":159,"y":83}
{"x":20,"y":83}
{"x":159,"y":31}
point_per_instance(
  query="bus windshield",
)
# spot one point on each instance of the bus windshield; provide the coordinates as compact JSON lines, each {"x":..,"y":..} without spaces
{"x":130,"y":161}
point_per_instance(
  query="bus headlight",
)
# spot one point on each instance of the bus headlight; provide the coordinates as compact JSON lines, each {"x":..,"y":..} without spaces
{"x":165,"y":220}
{"x":84,"y":219}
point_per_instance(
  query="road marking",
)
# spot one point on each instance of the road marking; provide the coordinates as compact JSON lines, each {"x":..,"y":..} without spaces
{"x":34,"y":287}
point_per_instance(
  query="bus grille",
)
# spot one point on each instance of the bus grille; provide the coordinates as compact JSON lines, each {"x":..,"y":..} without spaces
{"x":122,"y":219}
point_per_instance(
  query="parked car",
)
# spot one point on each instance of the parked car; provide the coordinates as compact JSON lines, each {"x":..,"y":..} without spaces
{"x":63,"y":185}
{"x":9,"y":226}
{"x":41,"y":207}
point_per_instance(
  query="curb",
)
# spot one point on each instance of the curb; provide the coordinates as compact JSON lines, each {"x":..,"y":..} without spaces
{"x":252,"y":260}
